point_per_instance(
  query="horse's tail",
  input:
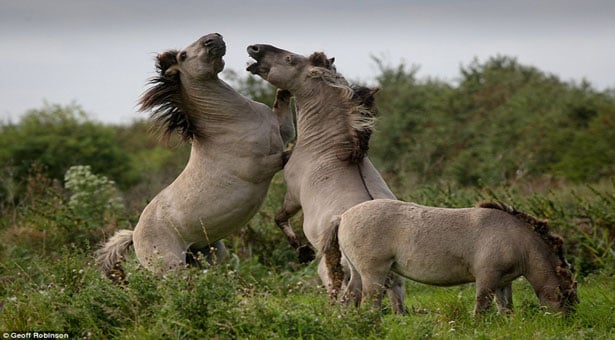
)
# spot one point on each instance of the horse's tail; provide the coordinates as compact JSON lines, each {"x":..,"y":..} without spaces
{"x":110,"y":256}
{"x":330,"y":249}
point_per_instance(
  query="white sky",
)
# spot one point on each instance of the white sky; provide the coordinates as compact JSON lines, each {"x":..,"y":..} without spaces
{"x":99,"y":54}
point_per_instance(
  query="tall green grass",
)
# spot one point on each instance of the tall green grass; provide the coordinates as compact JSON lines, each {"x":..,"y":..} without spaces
{"x":244,"y":299}
{"x":48,"y":280}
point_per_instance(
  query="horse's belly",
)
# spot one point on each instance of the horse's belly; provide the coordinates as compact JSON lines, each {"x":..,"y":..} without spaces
{"x":217,"y":216}
{"x":443,"y":271}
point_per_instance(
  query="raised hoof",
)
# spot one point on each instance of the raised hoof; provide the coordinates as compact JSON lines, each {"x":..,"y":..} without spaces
{"x":306,"y":254}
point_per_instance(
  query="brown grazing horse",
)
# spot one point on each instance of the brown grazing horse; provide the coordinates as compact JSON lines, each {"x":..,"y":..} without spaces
{"x":491,"y":245}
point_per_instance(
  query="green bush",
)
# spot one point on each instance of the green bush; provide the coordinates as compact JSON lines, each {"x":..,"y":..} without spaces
{"x":50,"y":217}
{"x":92,"y":195}
{"x":591,"y":154}
{"x":56,"y":138}
{"x":502,"y":124}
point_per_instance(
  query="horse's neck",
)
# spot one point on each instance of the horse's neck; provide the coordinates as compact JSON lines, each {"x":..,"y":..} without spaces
{"x":540,"y":269}
{"x":205,"y":156}
{"x":323,"y":124}
{"x":214,"y":105}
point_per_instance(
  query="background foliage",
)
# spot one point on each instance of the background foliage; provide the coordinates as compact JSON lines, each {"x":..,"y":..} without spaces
{"x":501,"y":131}
{"x":503,"y":124}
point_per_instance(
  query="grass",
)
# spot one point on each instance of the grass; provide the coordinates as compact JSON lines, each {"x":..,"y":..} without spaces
{"x":245,"y":299}
{"x":259,"y":293}
{"x":449,"y":314}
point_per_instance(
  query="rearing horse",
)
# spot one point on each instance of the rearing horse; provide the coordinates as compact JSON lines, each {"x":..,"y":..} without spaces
{"x":237,"y":147}
{"x":328,"y":171}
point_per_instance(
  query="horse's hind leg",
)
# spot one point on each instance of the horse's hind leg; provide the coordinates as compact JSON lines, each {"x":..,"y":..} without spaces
{"x":160,"y":251}
{"x":373,"y":287}
{"x":395,"y":289}
{"x":290,"y":208}
{"x":161,"y":259}
{"x":503,"y":299}
{"x":220,"y":252}
{"x":213,"y":253}
{"x":352,"y":292}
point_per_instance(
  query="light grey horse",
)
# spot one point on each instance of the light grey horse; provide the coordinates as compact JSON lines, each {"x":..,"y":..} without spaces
{"x":237,"y":147}
{"x":328,"y":171}
{"x":491,"y":245}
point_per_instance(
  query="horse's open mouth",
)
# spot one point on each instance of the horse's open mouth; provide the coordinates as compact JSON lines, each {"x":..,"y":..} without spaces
{"x":256,"y":66}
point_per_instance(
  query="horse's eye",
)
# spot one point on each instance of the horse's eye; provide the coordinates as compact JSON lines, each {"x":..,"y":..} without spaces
{"x":183,"y":55}
{"x":289,"y":59}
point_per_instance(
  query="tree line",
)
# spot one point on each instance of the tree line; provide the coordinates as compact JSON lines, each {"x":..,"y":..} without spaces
{"x":501,"y":123}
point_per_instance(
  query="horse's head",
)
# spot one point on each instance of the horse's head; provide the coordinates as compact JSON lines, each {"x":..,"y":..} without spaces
{"x":200,"y":61}
{"x":567,"y":287}
{"x":564,"y":297}
{"x":284,"y":69}
{"x":560,"y":293}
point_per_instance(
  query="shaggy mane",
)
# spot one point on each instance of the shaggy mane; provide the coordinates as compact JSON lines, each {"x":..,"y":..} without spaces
{"x":362,"y":121}
{"x":362,"y":116}
{"x":164,"y":99}
{"x":541,"y":227}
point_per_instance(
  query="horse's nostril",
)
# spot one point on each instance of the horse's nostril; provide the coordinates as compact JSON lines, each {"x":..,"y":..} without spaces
{"x":253,"y":48}
{"x":208,"y":42}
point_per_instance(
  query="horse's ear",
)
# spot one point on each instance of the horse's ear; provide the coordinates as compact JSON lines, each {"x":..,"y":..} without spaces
{"x":319,"y":59}
{"x":167,"y":63}
{"x":171,"y":71}
{"x":365,"y":95}
{"x":314,"y":72}
{"x":331,"y":61}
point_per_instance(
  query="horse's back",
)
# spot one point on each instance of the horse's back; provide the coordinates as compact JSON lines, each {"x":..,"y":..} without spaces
{"x":440,"y":246}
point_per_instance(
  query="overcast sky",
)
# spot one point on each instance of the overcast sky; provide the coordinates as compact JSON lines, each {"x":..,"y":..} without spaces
{"x":99,"y":54}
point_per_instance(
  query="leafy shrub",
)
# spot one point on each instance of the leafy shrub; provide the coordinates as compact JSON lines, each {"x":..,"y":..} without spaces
{"x":591,"y":154}
{"x":502,"y":124}
{"x":92,"y":195}
{"x":49,"y":217}
{"x":56,"y":138}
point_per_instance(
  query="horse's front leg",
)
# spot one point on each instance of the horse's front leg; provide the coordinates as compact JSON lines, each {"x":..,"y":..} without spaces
{"x":486,"y":285}
{"x":503,"y":299}
{"x":282,"y":219}
{"x":283,"y":112}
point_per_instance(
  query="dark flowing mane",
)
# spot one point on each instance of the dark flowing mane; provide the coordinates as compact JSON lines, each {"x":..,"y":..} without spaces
{"x":361,"y":117}
{"x":364,"y":117}
{"x":164,"y":99}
